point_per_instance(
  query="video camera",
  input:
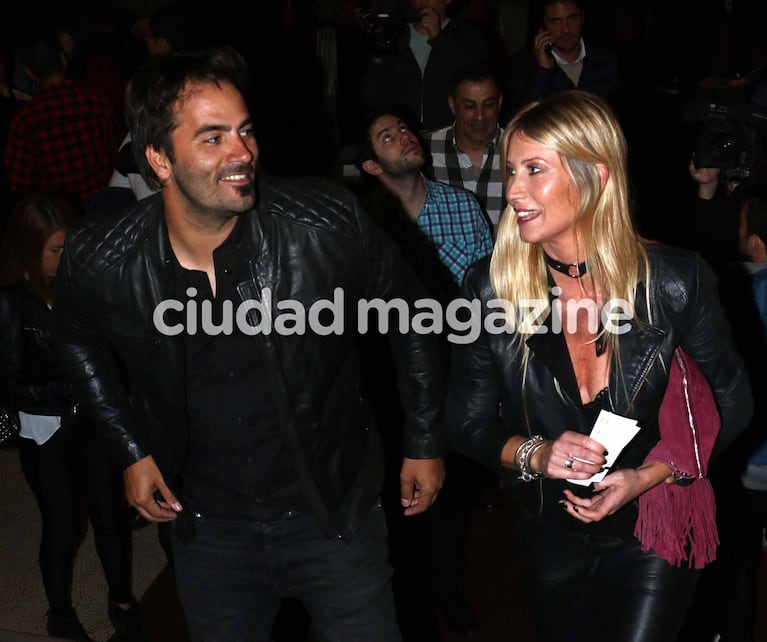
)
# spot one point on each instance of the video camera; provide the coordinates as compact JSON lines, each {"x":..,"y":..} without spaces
{"x":386,"y":28}
{"x":731,"y":129}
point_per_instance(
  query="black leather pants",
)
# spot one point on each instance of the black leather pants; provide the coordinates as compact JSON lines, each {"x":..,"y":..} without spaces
{"x":600,"y":589}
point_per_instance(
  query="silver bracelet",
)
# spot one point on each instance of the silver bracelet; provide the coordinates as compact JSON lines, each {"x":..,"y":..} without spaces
{"x":527,"y":449}
{"x":515,"y":459}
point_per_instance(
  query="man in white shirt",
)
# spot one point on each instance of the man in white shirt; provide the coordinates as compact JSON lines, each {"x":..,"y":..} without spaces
{"x":561,"y":60}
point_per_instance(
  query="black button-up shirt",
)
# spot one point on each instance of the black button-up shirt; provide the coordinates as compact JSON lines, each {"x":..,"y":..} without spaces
{"x":239,"y":464}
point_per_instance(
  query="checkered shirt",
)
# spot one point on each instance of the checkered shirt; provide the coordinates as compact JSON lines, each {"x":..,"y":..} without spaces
{"x":65,"y":139}
{"x":451,"y":165}
{"x":453,"y":220}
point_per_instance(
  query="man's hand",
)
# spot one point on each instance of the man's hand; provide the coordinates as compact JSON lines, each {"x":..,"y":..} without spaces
{"x":420,"y":483}
{"x":142,"y":479}
{"x":431,"y":22}
{"x":542,"y":57}
{"x":707,"y":179}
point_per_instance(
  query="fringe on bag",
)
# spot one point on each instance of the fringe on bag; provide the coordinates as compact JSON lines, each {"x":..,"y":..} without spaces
{"x":678,"y":521}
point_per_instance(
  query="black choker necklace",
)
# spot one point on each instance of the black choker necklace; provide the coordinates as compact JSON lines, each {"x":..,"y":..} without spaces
{"x":573,"y":270}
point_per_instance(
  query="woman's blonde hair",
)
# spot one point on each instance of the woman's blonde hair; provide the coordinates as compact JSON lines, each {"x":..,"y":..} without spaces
{"x":583,"y":130}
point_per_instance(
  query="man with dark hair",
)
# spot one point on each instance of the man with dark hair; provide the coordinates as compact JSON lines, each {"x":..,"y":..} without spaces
{"x":213,"y":331}
{"x":467,"y":153}
{"x":450,"y":217}
{"x":442,"y":230}
{"x":559,"y":59}
{"x":65,"y":138}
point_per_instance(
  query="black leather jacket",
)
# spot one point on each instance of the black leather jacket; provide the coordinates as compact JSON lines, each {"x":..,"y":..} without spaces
{"x":396,"y":77}
{"x":685,"y":312}
{"x":311,"y":238}
{"x":31,"y":376}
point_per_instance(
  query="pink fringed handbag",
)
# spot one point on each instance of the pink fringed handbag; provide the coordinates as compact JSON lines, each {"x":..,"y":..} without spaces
{"x":678,"y":521}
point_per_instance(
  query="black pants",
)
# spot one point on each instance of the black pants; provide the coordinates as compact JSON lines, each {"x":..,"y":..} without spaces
{"x":70,"y":469}
{"x":600,"y":589}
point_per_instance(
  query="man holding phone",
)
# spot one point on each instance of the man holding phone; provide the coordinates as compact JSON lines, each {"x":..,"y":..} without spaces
{"x":561,"y":60}
{"x":561,"y":32}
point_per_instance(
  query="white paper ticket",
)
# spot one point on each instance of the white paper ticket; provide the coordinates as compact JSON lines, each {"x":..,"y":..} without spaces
{"x":614,"y":433}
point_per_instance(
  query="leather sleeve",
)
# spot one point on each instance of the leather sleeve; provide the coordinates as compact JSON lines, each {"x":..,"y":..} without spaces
{"x":420,"y":376}
{"x":90,"y":360}
{"x":708,"y":340}
{"x":36,"y":387}
{"x":10,"y":343}
{"x":473,"y":391}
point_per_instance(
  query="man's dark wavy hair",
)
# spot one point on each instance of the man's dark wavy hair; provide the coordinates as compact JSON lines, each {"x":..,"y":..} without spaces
{"x":156,"y":87}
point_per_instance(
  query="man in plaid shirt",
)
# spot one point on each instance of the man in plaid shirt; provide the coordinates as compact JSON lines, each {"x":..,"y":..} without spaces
{"x":449,"y":216}
{"x":65,"y":138}
{"x":467,"y":153}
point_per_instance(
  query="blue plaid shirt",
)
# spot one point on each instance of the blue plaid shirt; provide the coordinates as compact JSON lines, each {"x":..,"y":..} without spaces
{"x":454,"y":221}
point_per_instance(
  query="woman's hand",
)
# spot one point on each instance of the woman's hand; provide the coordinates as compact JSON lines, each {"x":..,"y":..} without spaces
{"x":572,"y":455}
{"x":615,"y":491}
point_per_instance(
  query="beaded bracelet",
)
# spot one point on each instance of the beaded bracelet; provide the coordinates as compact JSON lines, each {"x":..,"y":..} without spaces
{"x":527,"y":448}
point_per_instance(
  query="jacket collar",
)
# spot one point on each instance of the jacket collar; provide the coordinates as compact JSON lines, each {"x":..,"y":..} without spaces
{"x":160,"y":259}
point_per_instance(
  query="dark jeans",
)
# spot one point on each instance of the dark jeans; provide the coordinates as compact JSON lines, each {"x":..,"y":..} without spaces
{"x":233,"y":574}
{"x":67,"y":470}
{"x":600,"y":589}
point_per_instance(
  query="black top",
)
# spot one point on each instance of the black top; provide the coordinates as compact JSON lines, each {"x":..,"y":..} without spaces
{"x":620,"y":524}
{"x":239,"y":464}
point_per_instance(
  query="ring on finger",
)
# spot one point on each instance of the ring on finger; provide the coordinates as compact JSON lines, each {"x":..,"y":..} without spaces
{"x":569,"y":463}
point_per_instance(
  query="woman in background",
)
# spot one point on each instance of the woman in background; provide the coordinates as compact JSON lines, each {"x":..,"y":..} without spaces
{"x":60,"y":457}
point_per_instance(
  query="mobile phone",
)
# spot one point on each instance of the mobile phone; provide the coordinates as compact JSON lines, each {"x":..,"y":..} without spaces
{"x":548,"y":48}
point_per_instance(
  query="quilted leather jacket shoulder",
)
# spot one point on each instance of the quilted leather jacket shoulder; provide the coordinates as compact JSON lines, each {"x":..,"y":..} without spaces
{"x":308,"y":238}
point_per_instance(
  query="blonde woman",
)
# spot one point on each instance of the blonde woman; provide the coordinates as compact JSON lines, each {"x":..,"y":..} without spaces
{"x":593,"y":315}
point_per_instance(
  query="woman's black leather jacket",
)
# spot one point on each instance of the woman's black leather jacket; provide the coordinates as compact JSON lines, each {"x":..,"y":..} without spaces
{"x":31,"y":377}
{"x":686,"y":312}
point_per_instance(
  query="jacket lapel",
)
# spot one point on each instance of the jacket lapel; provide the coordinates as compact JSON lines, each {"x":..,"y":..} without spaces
{"x":639,"y":348}
{"x":551,"y":349}
{"x":158,"y":256}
